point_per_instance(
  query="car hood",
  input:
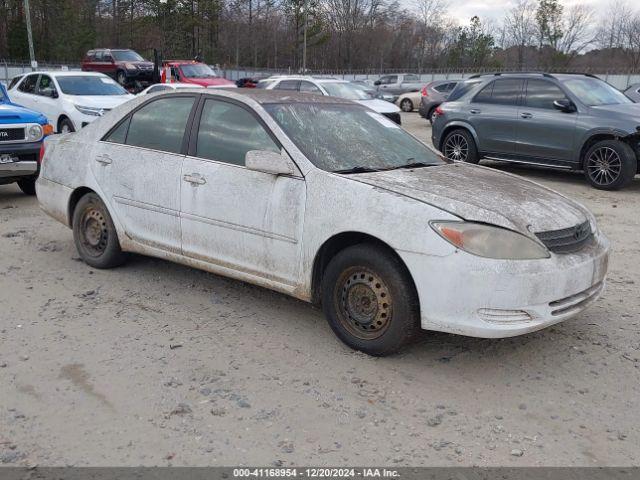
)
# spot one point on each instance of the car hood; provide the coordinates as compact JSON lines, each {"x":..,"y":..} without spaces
{"x":380,"y":106}
{"x":483,"y":195}
{"x":12,"y":113}
{"x":210,"y":82}
{"x":631,"y":110}
{"x":100,"y":101}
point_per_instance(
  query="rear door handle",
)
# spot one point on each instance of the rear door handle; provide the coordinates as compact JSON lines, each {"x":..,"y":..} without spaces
{"x":526,"y":115}
{"x":475,"y":112}
{"x":195,"y":179}
{"x":104,"y":159}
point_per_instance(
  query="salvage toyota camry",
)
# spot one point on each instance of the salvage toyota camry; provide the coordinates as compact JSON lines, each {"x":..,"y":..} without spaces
{"x":327,"y":201}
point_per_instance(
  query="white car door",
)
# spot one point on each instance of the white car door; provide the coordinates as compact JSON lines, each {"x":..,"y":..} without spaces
{"x":138,"y":166}
{"x":25,"y":93}
{"x":233,"y":217}
{"x":48,"y":101}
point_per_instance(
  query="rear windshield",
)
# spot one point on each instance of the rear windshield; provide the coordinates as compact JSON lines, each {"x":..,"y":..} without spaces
{"x":462,"y":89}
{"x":89,"y":85}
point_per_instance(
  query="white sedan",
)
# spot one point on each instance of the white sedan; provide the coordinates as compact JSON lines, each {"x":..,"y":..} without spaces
{"x":330,"y":202}
{"x":165,"y":87}
{"x":70,"y":100}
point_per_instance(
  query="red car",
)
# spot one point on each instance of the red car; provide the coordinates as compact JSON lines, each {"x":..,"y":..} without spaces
{"x":189,"y":71}
{"x":123,"y":65}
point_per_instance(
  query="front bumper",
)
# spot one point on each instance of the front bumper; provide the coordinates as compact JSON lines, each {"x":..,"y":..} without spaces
{"x":468,"y":295}
{"x":27,"y":160}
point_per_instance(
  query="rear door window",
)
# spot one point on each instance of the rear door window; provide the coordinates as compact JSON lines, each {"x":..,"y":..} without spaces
{"x":411,"y":78}
{"x":309,"y":87}
{"x":501,"y":92}
{"x":160,"y":125}
{"x":28,"y":85}
{"x":288,"y":85}
{"x":45,"y":85}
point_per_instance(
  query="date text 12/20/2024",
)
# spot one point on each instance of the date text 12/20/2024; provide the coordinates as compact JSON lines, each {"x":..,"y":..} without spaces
{"x":315,"y":473}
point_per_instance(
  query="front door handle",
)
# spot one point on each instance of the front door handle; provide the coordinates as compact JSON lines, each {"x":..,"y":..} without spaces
{"x":104,"y":159}
{"x":475,"y":112}
{"x":194,"y":179}
{"x":526,"y":115}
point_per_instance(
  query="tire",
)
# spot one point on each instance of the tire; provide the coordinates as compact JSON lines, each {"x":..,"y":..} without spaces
{"x":406,"y":105}
{"x":369,"y":300}
{"x":610,"y":165}
{"x":430,"y":115}
{"x":66,"y":126}
{"x":460,"y":146}
{"x":94,"y":234}
{"x":28,"y":186}
{"x":121,"y":78}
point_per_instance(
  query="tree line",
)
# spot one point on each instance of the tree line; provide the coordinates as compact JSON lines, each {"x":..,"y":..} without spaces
{"x":369,"y":35}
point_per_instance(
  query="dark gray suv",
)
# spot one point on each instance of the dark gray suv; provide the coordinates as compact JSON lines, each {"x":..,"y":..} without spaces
{"x":566,"y":121}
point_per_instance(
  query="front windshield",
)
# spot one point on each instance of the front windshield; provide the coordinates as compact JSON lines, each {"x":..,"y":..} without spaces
{"x":346,"y":90}
{"x":594,"y":92}
{"x":89,"y":85}
{"x":198,"y":71}
{"x":126,"y":56}
{"x":344,"y":137}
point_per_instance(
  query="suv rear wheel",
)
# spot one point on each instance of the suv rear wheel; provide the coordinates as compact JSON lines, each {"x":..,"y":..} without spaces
{"x":610,"y":165}
{"x":460,"y":146}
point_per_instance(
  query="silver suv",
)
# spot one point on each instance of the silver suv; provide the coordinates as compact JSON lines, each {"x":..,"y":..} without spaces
{"x":566,"y":121}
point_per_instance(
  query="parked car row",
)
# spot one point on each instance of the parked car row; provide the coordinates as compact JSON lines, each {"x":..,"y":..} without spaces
{"x":321,"y":198}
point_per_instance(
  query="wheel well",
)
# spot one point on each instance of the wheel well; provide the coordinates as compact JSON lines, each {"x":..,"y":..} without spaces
{"x":77,"y":194}
{"x":60,"y":119}
{"x":449,"y":129}
{"x":606,"y":136}
{"x":332,"y":247}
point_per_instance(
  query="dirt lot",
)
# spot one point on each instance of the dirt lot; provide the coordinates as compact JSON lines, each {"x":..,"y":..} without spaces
{"x":155,"y":364}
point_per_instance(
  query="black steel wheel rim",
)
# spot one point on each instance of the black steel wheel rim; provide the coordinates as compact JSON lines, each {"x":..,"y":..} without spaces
{"x":456,"y":148}
{"x":364,"y":303}
{"x":604,"y":166}
{"x":94,"y":232}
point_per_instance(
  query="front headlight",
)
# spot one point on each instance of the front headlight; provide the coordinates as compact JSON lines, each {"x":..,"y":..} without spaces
{"x":489,"y":241}
{"x":96,"y":112}
{"x":34,"y":133}
{"x":130,"y":66}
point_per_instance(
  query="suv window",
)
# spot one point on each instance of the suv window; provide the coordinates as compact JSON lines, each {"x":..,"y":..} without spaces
{"x":442,"y":88}
{"x":287,"y":85}
{"x":309,"y":88}
{"x":98,"y":56}
{"x":462,"y":88}
{"x":411,"y":78}
{"x":392,"y":79}
{"x":227,"y":132}
{"x":28,"y":85}
{"x":160,"y":124}
{"x":542,"y":94}
{"x":501,"y":92}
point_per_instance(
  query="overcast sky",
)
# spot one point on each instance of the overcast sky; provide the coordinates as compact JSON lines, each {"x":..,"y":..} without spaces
{"x":463,"y":10}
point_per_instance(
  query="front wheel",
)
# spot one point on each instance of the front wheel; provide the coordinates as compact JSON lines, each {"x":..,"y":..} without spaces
{"x":28,"y":186}
{"x":369,"y":300}
{"x":95,"y":235}
{"x":66,"y":126}
{"x":406,"y":105}
{"x":610,"y":165}
{"x":121,"y":78}
{"x":460,"y":146}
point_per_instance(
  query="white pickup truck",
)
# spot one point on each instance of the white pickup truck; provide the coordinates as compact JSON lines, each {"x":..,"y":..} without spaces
{"x":399,"y":83}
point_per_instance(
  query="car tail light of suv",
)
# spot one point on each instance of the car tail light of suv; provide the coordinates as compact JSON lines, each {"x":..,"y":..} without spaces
{"x":424,"y":92}
{"x":438,"y":112}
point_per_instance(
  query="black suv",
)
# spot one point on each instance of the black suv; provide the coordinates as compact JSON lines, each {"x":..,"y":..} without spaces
{"x":567,"y":121}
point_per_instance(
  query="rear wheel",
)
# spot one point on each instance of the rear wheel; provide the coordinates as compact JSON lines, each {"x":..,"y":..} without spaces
{"x":460,"y":146}
{"x":95,"y":235}
{"x":610,"y":165}
{"x":431,"y":116}
{"x":369,"y":300}
{"x":28,"y":186}
{"x":406,"y":105}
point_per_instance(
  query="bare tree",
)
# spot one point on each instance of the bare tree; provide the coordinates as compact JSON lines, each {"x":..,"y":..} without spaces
{"x":577,"y":31}
{"x":520,"y":28}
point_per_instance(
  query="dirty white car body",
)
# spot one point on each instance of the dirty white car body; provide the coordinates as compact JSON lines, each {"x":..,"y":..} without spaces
{"x":271,"y":226}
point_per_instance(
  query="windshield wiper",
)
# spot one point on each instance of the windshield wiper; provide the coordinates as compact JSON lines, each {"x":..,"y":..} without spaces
{"x":416,"y":165}
{"x":358,"y":169}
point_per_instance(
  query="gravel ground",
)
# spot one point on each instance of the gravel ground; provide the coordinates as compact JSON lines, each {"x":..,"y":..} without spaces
{"x":155,"y":364}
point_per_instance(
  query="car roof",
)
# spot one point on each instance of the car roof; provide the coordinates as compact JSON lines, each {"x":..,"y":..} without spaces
{"x":264,"y":97}
{"x":68,"y":73}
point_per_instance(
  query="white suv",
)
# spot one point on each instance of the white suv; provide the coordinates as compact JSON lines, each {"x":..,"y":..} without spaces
{"x":69,"y":100}
{"x":332,"y":87}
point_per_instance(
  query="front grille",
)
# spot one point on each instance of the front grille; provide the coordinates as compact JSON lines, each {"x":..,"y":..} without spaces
{"x":394,"y":117}
{"x":11,"y":134}
{"x":567,"y":240}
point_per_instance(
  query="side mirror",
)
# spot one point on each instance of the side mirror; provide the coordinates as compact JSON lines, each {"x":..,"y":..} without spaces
{"x":377,"y":82}
{"x":267,"y":161}
{"x":565,"y":105}
{"x":49,"y":92}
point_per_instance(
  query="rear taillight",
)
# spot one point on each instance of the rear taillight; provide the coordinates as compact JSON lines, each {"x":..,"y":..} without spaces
{"x":424,"y":92}
{"x":41,"y":155}
{"x":439,"y":111}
